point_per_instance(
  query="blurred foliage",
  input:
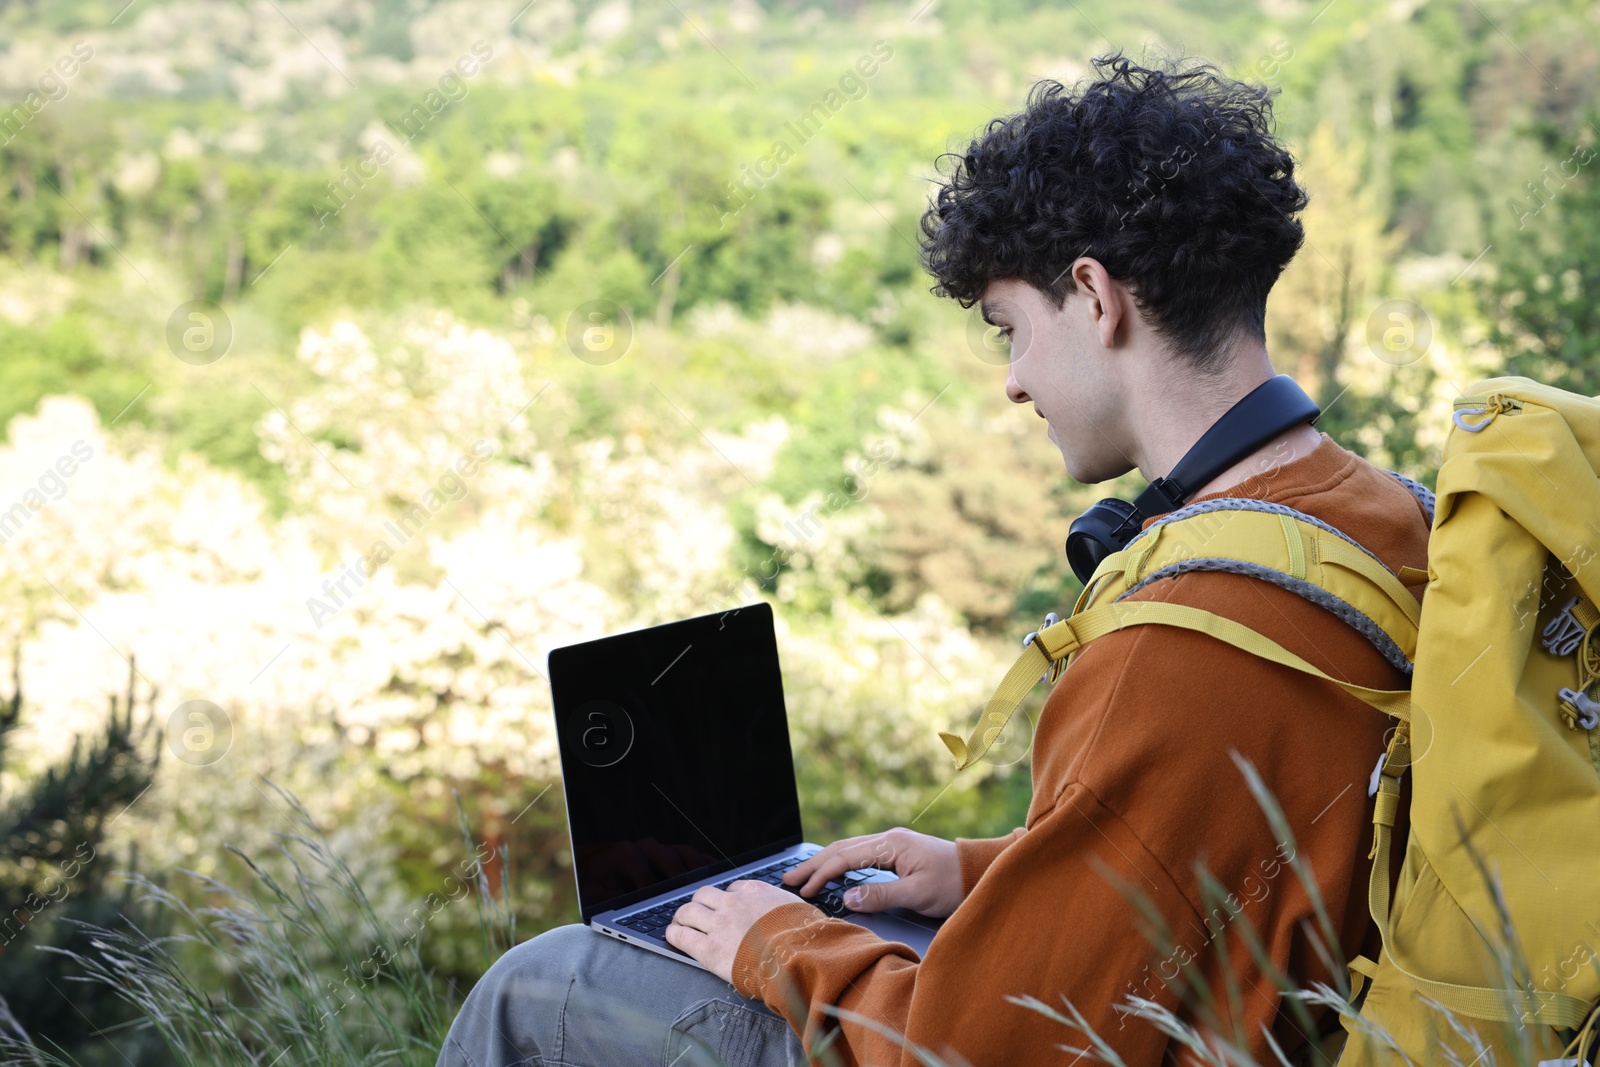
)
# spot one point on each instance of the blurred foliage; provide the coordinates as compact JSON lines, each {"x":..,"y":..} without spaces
{"x":1417,"y":121}
{"x":619,"y":153}
{"x":58,"y":870}
{"x":1542,"y":300}
{"x":950,"y":526}
{"x":322,"y":977}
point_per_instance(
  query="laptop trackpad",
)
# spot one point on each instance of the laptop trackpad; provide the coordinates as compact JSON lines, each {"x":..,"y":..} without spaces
{"x":898,"y":924}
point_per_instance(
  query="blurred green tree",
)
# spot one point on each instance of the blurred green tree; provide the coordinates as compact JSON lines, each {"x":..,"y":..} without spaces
{"x":1545,"y":316}
{"x":56,"y":872}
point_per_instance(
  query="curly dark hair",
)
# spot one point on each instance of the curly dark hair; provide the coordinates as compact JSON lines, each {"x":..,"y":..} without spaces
{"x":1170,"y":177}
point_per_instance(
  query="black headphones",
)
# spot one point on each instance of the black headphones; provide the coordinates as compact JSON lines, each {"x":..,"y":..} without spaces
{"x":1272,"y":407}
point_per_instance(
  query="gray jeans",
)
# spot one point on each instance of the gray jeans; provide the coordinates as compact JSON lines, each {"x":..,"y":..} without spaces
{"x":572,"y":997}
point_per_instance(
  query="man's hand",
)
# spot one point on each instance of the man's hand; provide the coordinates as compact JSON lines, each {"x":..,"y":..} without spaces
{"x":929,"y":869}
{"x":712,"y":924}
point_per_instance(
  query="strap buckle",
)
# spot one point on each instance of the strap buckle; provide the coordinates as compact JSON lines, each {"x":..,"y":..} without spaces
{"x":1050,"y":619}
{"x":1372,"y":782}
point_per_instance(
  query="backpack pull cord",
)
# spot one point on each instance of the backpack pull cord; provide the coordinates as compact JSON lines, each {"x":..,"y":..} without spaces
{"x":1580,"y":712}
{"x":1582,"y":1043}
{"x":1495,"y":405}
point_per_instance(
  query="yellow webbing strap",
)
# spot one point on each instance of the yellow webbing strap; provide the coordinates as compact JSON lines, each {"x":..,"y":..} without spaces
{"x":1362,"y":971}
{"x":1099,"y":578}
{"x":1296,"y":545}
{"x":1585,"y":613}
{"x":1364,"y":967}
{"x":1013,"y":689}
{"x":1065,"y":637}
{"x":1341,"y":553}
{"x":1393,"y":702}
{"x":1137,"y":556}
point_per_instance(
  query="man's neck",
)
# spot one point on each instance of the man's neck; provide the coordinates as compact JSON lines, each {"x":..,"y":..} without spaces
{"x":1287,"y":447}
{"x":1177,"y":417}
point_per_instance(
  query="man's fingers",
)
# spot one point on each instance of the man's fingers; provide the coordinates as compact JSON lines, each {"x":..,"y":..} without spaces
{"x":705,"y":896}
{"x":860,"y":852}
{"x":801,"y":873}
{"x":681,"y":937}
{"x":874,"y":896}
{"x":693,"y":915}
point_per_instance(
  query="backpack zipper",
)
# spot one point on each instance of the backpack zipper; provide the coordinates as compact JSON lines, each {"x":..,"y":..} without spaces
{"x":1488,"y":406}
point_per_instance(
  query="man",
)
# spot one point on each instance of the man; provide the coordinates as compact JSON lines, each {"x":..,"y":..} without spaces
{"x":1124,"y":237}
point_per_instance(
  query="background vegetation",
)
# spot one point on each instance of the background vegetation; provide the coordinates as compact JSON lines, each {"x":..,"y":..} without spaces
{"x":397,"y":262}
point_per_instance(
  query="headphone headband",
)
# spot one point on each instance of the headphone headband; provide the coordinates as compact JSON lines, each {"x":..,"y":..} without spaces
{"x":1276,"y":405}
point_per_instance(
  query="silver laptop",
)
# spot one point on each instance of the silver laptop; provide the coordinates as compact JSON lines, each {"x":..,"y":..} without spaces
{"x":677,"y":770}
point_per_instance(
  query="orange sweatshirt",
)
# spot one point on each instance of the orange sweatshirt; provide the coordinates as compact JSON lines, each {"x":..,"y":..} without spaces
{"x":1133,"y":781}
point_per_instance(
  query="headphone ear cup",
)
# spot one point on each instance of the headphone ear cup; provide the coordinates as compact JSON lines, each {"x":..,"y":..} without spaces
{"x":1105,"y":528}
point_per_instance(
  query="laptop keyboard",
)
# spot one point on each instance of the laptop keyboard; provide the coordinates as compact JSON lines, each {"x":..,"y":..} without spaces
{"x":830,"y":898}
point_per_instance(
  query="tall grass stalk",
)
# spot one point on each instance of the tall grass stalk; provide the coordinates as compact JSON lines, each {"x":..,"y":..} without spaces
{"x":319,"y":978}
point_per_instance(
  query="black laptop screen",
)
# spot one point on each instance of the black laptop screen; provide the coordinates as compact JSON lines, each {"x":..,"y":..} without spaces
{"x":674,"y":753}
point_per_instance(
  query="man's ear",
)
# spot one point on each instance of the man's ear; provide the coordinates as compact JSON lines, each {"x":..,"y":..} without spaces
{"x":1105,"y":301}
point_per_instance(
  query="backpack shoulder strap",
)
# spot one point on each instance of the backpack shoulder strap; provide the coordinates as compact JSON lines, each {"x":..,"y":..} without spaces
{"x":1061,"y":640}
{"x":1277,"y":544}
{"x":1252,"y":537}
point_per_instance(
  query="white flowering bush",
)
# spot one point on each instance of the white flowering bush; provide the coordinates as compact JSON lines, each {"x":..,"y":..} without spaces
{"x":442,"y":535}
{"x":867,"y":695}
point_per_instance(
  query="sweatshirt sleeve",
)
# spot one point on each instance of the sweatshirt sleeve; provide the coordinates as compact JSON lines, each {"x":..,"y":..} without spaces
{"x":1043,"y":918}
{"x":977,"y":853}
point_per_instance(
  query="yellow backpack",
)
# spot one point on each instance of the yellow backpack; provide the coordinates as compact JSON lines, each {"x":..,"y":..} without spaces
{"x":1491,"y":937}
